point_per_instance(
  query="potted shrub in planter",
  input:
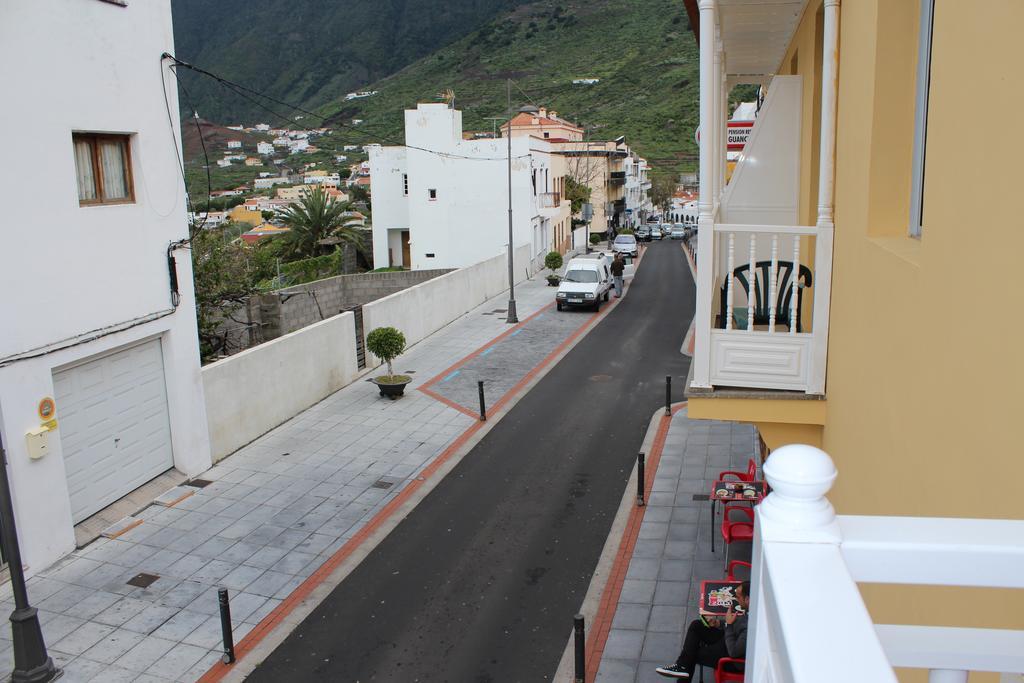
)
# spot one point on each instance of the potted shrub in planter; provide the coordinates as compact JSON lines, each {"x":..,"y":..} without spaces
{"x":553,"y":261}
{"x":387,"y":343}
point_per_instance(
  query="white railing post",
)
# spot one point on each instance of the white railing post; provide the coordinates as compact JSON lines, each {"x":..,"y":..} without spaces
{"x":773,"y":283}
{"x":730,"y":265}
{"x":795,"y":288}
{"x":752,"y":282}
{"x":705,"y":222}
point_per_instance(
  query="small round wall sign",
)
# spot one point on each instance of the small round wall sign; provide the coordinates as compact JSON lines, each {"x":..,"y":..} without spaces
{"x":46,"y":409}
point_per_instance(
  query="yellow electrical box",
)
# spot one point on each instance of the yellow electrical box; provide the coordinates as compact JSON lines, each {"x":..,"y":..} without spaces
{"x":38,"y":440}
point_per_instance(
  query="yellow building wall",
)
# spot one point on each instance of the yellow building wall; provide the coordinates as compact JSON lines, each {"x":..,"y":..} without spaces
{"x":240,"y":214}
{"x":925,"y":373}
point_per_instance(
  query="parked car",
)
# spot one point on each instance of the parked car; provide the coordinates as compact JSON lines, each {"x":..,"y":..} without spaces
{"x":678,"y":232}
{"x":666,"y":229}
{"x":643,"y":233}
{"x":655,"y":233}
{"x":625,"y":244}
{"x":586,"y":282}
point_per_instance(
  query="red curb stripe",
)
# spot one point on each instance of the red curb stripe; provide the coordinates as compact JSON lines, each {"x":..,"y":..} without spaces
{"x":602,"y":625}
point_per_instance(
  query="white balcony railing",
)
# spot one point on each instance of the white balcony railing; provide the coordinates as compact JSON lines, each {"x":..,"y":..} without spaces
{"x":770,"y":326}
{"x":549,"y":200}
{"x":808,"y":622}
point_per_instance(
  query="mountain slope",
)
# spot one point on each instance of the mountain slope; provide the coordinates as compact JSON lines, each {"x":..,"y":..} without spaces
{"x":643,"y":53}
{"x":309,"y":51}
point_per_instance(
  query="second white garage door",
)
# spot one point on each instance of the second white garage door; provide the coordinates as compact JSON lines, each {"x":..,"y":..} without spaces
{"x":114,"y":430}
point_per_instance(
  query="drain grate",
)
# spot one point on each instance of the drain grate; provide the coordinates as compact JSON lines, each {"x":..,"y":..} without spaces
{"x":200,"y":483}
{"x":143,"y":580}
{"x":701,"y":496}
{"x":500,"y":310}
{"x":381,"y":484}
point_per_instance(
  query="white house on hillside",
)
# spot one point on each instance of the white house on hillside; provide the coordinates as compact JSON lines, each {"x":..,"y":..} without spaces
{"x":100,"y":387}
{"x":442,"y":201}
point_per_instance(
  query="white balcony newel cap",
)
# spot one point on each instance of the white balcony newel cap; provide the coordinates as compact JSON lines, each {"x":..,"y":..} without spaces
{"x":800,"y":476}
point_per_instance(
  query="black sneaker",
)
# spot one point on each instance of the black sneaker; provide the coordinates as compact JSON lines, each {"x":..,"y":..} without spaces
{"x":673,"y":671}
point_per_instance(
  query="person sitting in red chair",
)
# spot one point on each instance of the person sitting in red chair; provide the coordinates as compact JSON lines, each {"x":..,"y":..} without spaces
{"x":706,"y":643}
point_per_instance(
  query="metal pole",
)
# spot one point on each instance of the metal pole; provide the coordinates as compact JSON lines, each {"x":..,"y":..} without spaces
{"x":32,"y":664}
{"x":640,"y":480}
{"x":225,"y":627}
{"x":668,"y":394}
{"x":581,"y":649}
{"x":512,"y":317}
{"x":483,"y":406}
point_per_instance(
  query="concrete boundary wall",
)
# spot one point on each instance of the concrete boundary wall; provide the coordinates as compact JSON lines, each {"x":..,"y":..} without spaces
{"x":423,"y":309}
{"x":260,"y":388}
{"x":252,"y":392}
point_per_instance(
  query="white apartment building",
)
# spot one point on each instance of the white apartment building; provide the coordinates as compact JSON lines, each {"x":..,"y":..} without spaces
{"x":100,"y":387}
{"x":442,"y":202}
{"x":637,"y":187}
{"x":234,"y":144}
{"x":268,"y":182}
{"x":264,"y":148}
{"x":328,"y":180}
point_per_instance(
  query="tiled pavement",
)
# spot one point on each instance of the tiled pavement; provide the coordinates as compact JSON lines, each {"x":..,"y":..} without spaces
{"x":276,"y":510}
{"x":673,"y":551}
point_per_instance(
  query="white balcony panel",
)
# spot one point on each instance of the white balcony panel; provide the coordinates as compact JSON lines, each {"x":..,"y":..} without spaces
{"x":756,"y":34}
{"x":765,"y":185}
{"x":934,"y":550}
{"x":760,"y":359}
{"x":952,"y":648}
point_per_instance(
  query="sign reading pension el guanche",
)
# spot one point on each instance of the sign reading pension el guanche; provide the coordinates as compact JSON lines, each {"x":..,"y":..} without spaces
{"x":738,"y":133}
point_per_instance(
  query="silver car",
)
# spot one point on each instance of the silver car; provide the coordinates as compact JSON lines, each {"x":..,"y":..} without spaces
{"x":625,"y":244}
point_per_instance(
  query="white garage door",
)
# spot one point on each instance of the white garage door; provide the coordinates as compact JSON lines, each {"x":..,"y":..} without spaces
{"x":113,"y":426}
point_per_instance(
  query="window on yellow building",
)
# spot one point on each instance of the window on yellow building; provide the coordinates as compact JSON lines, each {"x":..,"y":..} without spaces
{"x":924,"y":63}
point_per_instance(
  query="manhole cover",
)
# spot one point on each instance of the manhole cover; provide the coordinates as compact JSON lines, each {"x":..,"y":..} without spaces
{"x":200,"y":483}
{"x":381,"y":484}
{"x":600,"y":378}
{"x":142,"y":580}
{"x":701,"y":496}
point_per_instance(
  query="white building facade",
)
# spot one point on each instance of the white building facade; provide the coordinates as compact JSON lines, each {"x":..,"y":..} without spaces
{"x":442,"y":201}
{"x":100,"y":387}
{"x":637,"y":189}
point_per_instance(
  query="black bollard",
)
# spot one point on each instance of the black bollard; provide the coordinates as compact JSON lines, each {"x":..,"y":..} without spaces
{"x":225,"y":627}
{"x":640,"y":480}
{"x":668,"y":394}
{"x":581,"y":649}
{"x":483,"y":407}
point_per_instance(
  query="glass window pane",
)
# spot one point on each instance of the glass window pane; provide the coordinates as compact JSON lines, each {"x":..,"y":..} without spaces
{"x":115,"y":179}
{"x":84,"y":171}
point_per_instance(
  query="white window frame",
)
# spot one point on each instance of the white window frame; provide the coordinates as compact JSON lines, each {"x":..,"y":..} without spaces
{"x":924,"y":59}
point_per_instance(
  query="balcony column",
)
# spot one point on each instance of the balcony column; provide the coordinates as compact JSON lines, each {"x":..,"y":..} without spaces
{"x":826,"y":191}
{"x":705,"y":222}
{"x":723,"y":122}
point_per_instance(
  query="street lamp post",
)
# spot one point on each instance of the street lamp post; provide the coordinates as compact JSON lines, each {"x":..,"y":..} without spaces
{"x":512,"y":317}
{"x":31,"y":662}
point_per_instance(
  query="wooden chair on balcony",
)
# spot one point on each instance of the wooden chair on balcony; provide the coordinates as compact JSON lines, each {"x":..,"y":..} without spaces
{"x":758,"y":303}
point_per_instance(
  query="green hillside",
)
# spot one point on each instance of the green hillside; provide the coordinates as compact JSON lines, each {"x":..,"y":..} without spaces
{"x":643,"y":53}
{"x":311,"y":51}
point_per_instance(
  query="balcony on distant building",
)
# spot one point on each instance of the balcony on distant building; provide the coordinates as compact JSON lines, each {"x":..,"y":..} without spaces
{"x":549,"y":200}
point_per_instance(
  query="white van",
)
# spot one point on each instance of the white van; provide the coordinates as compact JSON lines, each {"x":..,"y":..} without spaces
{"x":586,"y":282}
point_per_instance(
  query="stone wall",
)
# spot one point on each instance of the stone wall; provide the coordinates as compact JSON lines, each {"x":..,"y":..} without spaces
{"x":272,"y":315}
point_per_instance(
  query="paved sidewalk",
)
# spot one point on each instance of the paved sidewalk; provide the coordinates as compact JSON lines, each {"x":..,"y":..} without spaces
{"x":275,"y":511}
{"x":672,"y":554}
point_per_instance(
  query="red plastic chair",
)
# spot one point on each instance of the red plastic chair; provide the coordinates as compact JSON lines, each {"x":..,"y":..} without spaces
{"x":723,"y":676}
{"x":733,"y":530}
{"x":732,"y":569}
{"x":749,"y":475}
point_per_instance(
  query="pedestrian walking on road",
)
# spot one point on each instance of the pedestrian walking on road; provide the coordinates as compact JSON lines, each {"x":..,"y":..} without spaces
{"x":618,"y":268}
{"x":706,"y":643}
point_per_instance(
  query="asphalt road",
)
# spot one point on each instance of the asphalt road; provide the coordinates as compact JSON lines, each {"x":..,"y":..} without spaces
{"x":481,"y":581}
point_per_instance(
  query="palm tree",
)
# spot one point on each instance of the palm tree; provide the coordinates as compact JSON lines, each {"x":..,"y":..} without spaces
{"x":316,"y":223}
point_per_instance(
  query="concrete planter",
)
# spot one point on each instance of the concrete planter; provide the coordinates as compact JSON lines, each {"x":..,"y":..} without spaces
{"x":392,"y":390}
